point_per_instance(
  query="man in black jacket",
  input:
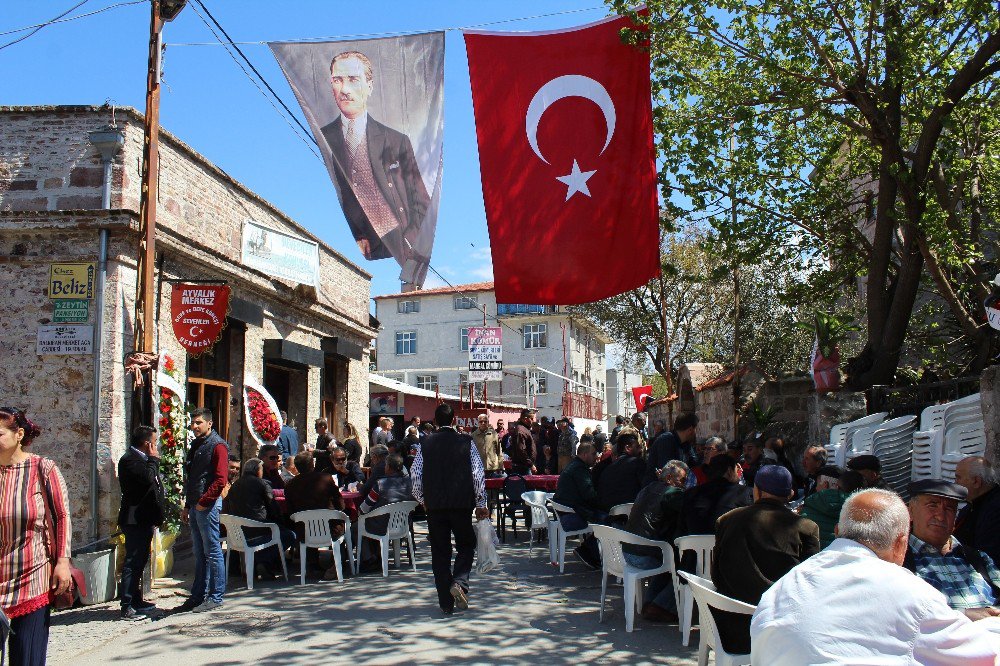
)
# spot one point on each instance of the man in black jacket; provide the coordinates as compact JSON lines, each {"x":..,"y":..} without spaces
{"x":623,"y":479}
{"x":978,"y":524}
{"x":448,"y":479}
{"x":251,"y":496}
{"x":676,"y":444}
{"x":705,"y":503}
{"x":142,"y":510}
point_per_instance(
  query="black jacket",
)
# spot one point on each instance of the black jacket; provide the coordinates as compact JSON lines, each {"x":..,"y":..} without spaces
{"x":978,"y":524}
{"x":575,"y":489}
{"x":666,"y":447}
{"x":446,"y":475}
{"x":654,"y":516}
{"x":705,"y":503}
{"x":354,"y":474}
{"x":143,"y":501}
{"x":621,"y":482}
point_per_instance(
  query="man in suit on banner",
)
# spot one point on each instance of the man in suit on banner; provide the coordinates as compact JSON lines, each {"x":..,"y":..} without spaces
{"x":375,"y":171}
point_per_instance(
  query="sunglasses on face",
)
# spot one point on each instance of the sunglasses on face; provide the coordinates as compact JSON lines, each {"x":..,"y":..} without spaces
{"x":274,"y":457}
{"x":340,"y":460}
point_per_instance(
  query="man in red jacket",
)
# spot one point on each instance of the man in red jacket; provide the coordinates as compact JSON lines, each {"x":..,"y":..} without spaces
{"x":207,"y":468}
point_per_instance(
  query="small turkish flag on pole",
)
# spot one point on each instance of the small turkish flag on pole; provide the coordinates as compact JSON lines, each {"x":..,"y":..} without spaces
{"x":565,"y":127}
{"x":641,"y":395}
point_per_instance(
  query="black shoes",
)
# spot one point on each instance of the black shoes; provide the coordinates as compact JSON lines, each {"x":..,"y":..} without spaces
{"x":143,"y":605}
{"x":188,"y":605}
{"x":130,"y":614}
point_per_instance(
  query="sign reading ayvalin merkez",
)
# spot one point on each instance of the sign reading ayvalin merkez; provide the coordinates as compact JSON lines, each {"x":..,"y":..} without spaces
{"x":485,"y":354}
{"x":280,"y":255}
{"x":198,"y":315}
{"x":72,"y":280}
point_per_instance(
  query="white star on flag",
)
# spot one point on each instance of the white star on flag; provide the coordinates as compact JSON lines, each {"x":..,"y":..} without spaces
{"x":576,"y":181}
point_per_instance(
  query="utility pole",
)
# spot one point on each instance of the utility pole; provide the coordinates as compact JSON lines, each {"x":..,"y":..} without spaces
{"x":737,"y":301}
{"x":162,"y":11}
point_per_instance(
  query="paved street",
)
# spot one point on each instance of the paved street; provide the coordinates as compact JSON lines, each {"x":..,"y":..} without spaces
{"x":524,"y":612}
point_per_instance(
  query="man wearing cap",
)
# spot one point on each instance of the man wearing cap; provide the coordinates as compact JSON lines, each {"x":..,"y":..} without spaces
{"x":871,"y":468}
{"x":967,"y":577}
{"x":823,"y":506}
{"x":755,"y":546}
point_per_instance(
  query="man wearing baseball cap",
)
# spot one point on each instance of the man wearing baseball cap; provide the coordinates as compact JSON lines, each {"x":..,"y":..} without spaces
{"x":967,"y":577}
{"x":755,"y":546}
{"x":871,"y":468}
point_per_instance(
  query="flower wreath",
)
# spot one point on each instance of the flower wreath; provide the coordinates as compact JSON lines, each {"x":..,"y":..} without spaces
{"x":173,"y":439}
{"x":263,"y":417}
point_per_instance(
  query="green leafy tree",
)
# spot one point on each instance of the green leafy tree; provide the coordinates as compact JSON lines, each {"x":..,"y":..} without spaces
{"x":855,"y":139}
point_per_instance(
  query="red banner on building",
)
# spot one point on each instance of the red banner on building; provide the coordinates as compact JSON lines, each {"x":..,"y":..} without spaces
{"x":641,"y":395}
{"x":565,"y":127}
{"x":198,"y":315}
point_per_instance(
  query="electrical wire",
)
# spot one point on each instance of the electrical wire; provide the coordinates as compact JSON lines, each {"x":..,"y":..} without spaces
{"x":38,"y":27}
{"x":73,"y":18}
{"x":401,"y":33}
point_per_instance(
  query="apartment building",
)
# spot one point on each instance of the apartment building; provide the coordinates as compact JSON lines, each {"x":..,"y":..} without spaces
{"x":554,"y":359}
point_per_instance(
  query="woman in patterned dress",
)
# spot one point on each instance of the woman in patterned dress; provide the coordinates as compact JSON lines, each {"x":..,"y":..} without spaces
{"x":34,"y":538}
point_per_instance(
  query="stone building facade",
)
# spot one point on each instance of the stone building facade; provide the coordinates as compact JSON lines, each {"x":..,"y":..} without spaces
{"x":307,"y":344}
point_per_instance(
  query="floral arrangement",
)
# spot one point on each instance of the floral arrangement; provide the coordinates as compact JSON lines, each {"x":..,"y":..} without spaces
{"x":173,"y":440}
{"x":262,"y":416}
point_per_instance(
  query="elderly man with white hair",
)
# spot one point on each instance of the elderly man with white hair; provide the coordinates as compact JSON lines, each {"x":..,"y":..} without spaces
{"x":978,"y":524}
{"x":853,"y":603}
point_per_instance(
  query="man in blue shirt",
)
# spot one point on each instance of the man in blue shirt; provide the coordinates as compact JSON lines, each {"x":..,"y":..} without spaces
{"x":288,"y":440}
{"x":967,"y":577}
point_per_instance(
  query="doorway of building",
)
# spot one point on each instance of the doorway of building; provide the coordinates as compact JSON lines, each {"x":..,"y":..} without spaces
{"x":209,"y":381}
{"x":277,"y":381}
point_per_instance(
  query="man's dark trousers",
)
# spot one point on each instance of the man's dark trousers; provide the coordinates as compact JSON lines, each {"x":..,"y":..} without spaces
{"x":441,"y":524}
{"x":137,"y":541}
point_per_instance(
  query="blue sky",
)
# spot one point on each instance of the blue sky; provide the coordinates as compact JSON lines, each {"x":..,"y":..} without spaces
{"x":211,"y":105}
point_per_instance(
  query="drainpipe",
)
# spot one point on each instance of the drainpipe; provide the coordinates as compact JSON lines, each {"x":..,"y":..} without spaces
{"x":108,"y":142}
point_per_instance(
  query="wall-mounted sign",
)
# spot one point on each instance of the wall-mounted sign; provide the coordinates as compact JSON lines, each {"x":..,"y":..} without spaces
{"x":65,"y":340}
{"x":383,"y":403}
{"x":992,"y":305}
{"x":74,"y":280}
{"x":280,"y":255}
{"x":198,"y":315}
{"x":71,"y":310}
{"x":485,"y":354}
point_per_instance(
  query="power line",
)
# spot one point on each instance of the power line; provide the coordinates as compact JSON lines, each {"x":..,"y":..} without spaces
{"x":247,"y":60}
{"x":400,"y":33}
{"x":311,"y":146}
{"x":72,"y":18}
{"x":42,"y":25}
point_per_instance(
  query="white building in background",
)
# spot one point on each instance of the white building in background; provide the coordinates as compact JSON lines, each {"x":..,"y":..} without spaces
{"x":620,"y":399}
{"x":553,"y":359}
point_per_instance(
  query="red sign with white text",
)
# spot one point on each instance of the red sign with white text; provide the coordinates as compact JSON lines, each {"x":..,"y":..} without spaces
{"x":198,"y":315}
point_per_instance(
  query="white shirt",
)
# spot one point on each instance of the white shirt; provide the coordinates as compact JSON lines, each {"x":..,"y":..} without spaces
{"x":846,"y":606}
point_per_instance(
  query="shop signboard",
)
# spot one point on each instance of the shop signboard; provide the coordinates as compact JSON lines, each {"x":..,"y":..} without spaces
{"x":384,"y":402}
{"x":485,"y":354}
{"x":280,"y":255}
{"x":71,"y":310}
{"x":198,"y":315}
{"x":65,"y":340}
{"x":73,"y":281}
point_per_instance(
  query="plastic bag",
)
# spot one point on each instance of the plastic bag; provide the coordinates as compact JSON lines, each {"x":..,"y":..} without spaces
{"x":487,"y":557}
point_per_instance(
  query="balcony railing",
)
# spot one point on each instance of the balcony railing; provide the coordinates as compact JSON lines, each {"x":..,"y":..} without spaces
{"x":580,"y":405}
{"x":521,"y":308}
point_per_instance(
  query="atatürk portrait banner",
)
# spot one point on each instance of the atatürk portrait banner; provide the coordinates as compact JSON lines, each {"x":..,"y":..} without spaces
{"x":376,"y":108}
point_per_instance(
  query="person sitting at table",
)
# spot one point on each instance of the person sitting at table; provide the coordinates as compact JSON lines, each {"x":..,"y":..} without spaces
{"x":252,"y":497}
{"x":391,"y":487}
{"x":622,"y":480}
{"x":270,"y":454}
{"x":346,"y":472}
{"x":575,"y":489}
{"x":313,"y":489}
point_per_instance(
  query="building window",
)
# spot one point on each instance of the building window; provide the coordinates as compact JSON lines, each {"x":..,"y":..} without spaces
{"x":520,"y":308}
{"x":466,"y":302}
{"x":463,"y":383}
{"x":537,"y":382}
{"x":406,"y":307}
{"x":535,"y":336}
{"x":427,"y":382}
{"x":463,"y":339}
{"x":406,"y":342}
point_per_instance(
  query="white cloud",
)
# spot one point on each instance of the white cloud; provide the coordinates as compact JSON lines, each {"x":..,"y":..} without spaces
{"x":482,"y":259}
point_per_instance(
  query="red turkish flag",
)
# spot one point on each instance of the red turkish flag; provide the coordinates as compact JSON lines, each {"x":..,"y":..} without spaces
{"x":641,"y":395}
{"x":565,"y":127}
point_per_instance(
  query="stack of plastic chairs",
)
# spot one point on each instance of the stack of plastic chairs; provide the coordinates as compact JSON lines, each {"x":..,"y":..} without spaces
{"x":841,"y":433}
{"x":892,"y":444}
{"x":959,"y":422}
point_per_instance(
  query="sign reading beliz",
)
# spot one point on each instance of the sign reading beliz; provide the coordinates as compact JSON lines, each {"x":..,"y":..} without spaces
{"x":198,"y":315}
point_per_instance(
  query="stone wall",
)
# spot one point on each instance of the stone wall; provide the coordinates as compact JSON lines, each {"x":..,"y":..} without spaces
{"x":990,"y":388}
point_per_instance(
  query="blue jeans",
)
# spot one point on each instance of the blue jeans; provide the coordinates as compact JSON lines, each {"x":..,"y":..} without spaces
{"x":209,"y":567}
{"x":660,"y":590}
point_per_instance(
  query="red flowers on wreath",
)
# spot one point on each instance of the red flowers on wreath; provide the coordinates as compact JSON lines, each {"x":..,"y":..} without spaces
{"x":262,"y":419}
{"x":168,"y":364}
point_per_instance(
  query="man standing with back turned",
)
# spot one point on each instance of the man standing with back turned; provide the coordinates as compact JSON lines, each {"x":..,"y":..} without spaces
{"x":448,"y":480}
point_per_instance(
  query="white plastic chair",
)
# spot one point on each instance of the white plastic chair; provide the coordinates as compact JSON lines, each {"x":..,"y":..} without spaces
{"x":703,"y":546}
{"x":563,"y":535}
{"x":318,"y":536}
{"x":237,"y":541}
{"x":541,"y":519}
{"x":614,"y":564}
{"x":841,"y":433}
{"x":397,"y":530}
{"x":621,"y":509}
{"x":707,"y":597}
